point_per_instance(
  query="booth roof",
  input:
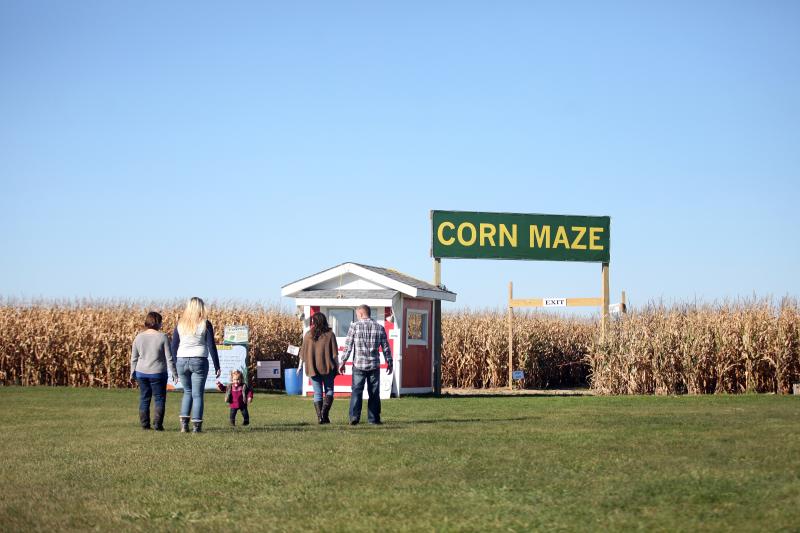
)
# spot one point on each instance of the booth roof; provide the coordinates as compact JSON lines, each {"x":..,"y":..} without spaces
{"x":388,"y":273}
{"x":347,"y":294}
{"x":402,"y":278}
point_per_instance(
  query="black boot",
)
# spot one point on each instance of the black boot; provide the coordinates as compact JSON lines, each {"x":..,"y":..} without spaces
{"x":327,"y":402}
{"x":144,"y":419}
{"x":318,"y":407}
{"x":197,"y":426}
{"x":184,"y":424}
{"x":158,"y":419}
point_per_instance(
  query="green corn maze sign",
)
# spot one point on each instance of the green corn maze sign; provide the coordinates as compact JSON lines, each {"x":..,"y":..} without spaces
{"x":472,"y":235}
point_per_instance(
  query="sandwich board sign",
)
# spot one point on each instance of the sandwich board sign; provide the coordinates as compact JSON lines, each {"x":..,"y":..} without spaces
{"x":268,"y":369}
{"x":231,"y":357}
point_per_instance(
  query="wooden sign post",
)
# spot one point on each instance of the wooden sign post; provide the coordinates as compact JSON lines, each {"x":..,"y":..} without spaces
{"x":604,"y":320}
{"x":510,"y":335}
{"x":437,"y":330}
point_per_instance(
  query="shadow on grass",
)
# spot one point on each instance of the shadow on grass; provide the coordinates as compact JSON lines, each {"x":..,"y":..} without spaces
{"x":387,"y":425}
{"x":516,"y":395}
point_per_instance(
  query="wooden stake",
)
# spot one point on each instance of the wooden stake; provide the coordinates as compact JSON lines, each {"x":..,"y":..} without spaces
{"x":604,"y":321}
{"x":510,"y":336}
{"x":624,"y":303}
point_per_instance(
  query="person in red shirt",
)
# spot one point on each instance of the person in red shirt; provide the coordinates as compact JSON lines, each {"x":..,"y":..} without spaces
{"x":238,"y":395}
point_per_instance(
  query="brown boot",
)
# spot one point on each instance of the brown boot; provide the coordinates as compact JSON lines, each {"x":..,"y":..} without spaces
{"x":318,"y":408}
{"x":327,"y":402}
{"x":158,"y":419}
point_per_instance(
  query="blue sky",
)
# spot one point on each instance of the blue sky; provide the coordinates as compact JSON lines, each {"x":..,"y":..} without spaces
{"x":162,"y":150}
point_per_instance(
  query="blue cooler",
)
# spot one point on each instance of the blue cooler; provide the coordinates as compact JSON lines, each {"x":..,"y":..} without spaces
{"x":294,"y":383}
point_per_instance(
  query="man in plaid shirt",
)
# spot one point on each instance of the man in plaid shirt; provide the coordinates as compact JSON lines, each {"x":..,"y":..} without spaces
{"x":364,"y":338}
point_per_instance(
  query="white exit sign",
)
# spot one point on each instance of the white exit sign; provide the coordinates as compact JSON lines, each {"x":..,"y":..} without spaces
{"x":554,"y":302}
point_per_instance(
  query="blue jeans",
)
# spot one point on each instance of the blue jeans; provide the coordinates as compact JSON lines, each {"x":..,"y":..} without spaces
{"x":152,"y":386}
{"x":372,"y":379}
{"x":321,"y":383}
{"x":193,"y":372}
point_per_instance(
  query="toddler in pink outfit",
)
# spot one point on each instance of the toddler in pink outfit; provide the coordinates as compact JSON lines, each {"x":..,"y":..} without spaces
{"x":238,"y":395}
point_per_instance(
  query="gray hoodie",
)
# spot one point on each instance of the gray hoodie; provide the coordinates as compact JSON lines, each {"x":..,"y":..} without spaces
{"x":151,"y":354}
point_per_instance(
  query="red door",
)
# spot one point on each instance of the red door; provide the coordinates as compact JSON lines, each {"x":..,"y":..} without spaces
{"x":417,"y":357}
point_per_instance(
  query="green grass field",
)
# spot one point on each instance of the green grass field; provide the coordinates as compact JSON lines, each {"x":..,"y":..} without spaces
{"x":75,"y":459}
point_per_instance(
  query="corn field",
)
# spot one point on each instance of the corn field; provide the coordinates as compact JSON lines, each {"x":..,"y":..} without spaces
{"x":88,"y":344}
{"x":551,"y":350}
{"x":700,"y":349}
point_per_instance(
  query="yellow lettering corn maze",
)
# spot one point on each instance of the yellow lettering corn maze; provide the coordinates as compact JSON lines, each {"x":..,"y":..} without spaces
{"x":461,"y":234}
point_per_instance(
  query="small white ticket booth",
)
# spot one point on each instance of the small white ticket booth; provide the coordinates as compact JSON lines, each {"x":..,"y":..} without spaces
{"x":401,"y":303}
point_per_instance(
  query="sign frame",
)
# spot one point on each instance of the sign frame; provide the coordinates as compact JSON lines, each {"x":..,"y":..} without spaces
{"x":487,"y":226}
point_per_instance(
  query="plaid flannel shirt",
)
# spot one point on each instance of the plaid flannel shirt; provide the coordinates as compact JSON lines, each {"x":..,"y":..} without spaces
{"x":363,"y":340}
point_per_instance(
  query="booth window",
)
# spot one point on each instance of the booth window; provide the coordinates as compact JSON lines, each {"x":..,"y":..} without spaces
{"x":417,"y":327}
{"x":340,"y":320}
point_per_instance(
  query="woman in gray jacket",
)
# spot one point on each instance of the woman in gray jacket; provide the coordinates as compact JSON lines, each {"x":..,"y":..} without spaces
{"x":150,"y":357}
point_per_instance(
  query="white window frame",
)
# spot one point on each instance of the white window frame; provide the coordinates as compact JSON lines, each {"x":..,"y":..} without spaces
{"x":327,"y":311}
{"x":425,"y":330}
